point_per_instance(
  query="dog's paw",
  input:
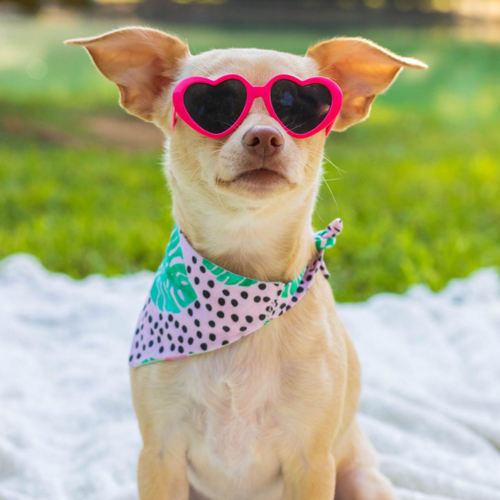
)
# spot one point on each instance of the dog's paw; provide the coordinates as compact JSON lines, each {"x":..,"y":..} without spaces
{"x":363,"y":484}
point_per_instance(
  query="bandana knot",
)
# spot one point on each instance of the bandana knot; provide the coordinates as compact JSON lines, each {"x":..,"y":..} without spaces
{"x":326,"y":238}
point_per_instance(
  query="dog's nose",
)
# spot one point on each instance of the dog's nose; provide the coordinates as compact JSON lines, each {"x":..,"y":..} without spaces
{"x":263,"y":140}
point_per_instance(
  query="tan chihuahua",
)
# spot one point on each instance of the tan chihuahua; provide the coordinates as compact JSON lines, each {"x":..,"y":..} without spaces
{"x":271,"y":416}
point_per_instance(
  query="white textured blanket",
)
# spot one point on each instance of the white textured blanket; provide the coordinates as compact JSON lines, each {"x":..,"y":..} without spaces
{"x":430,"y":404}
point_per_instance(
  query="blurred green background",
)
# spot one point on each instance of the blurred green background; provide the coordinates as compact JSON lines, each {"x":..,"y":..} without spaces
{"x":417,"y":185}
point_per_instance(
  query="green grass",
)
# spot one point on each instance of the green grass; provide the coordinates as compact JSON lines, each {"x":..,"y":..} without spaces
{"x":418,"y":192}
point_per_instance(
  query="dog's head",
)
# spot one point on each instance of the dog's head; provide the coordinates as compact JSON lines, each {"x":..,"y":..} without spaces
{"x":259,"y":163}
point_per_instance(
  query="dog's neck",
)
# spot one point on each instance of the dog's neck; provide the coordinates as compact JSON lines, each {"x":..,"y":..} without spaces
{"x":270,"y":243}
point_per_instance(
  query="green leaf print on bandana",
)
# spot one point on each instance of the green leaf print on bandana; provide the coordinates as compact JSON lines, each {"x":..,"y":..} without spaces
{"x":171,"y":289}
{"x":291,"y":288}
{"x":227,"y":277}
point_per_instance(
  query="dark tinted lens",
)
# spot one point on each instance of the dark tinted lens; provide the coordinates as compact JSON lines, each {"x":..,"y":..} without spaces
{"x":215,"y":108}
{"x":300,"y":108}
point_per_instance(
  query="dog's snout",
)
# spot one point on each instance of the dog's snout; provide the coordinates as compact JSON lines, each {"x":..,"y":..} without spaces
{"x":263,"y":140}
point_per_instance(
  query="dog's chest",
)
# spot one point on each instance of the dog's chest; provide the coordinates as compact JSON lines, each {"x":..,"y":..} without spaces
{"x":233,"y":425}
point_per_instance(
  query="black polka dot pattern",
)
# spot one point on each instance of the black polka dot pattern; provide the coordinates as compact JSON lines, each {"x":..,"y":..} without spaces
{"x":222,"y":310}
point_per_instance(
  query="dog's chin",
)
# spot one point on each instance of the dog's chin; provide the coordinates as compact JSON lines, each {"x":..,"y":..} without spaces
{"x":257,"y":183}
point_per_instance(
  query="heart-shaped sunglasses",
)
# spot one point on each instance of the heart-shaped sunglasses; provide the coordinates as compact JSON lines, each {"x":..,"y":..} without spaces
{"x":217,"y":108}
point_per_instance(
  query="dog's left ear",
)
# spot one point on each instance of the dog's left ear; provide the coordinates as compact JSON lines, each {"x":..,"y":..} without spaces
{"x":362,"y":69}
{"x":141,"y":61}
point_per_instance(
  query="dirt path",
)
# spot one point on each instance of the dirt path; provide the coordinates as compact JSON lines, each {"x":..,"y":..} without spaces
{"x":127,"y":132}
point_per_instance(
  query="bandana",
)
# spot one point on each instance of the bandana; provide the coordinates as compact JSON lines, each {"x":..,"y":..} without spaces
{"x":196,"y":306}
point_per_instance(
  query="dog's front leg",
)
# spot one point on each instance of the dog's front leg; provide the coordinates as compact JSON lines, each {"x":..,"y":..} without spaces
{"x":309,"y":480}
{"x":162,"y":475}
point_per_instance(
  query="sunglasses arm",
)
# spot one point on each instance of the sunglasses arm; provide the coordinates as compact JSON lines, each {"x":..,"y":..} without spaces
{"x":174,"y":119}
{"x":329,"y":128}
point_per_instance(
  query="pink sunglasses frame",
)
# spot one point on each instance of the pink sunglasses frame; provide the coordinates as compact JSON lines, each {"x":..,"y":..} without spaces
{"x":252,"y":93}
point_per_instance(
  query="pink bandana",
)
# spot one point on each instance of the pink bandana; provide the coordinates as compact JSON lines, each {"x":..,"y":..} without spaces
{"x":196,"y":306}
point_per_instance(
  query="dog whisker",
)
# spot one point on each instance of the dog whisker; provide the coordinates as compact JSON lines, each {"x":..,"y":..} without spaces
{"x":331,"y":192}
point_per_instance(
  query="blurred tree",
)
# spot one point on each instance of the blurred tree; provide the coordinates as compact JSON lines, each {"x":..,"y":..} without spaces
{"x":33,"y":6}
{"x":400,"y":5}
{"x":75,"y":3}
{"x":311,"y":13}
{"x":27,"y":6}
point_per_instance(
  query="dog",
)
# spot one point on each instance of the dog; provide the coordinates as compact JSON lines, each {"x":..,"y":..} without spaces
{"x":272,"y":415}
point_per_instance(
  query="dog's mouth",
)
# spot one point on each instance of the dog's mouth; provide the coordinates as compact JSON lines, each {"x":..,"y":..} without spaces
{"x":261,"y":175}
{"x":257,"y":178}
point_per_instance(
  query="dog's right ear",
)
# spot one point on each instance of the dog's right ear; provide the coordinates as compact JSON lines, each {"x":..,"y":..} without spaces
{"x":142,"y":62}
{"x":362,"y":69}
